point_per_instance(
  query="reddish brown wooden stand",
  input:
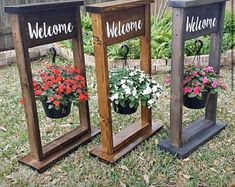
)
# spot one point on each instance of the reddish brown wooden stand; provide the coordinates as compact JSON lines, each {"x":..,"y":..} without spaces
{"x":24,"y":19}
{"x":106,"y":16}
{"x":184,"y":141}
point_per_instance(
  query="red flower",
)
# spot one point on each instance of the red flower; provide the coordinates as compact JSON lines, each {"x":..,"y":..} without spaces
{"x":21,"y":101}
{"x":56,"y":103}
{"x":58,"y":96}
{"x":51,"y":99}
{"x":197,"y":90}
{"x":83,"y":97}
{"x":68,"y":90}
{"x":38,"y":92}
{"x":56,"y":72}
{"x":79,"y":78}
{"x":61,"y":88}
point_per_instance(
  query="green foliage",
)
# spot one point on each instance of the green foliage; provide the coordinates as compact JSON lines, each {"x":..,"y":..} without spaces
{"x":161,"y":40}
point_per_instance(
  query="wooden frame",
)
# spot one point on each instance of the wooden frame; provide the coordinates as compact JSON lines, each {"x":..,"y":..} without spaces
{"x":24,"y":18}
{"x":184,"y":141}
{"x":106,"y":17}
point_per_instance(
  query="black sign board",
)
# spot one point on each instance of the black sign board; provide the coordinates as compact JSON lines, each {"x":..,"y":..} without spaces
{"x":201,"y":20}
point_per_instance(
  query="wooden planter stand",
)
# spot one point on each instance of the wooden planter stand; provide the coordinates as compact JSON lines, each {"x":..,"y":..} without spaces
{"x":26,"y":19}
{"x":185,"y":26}
{"x":111,"y":24}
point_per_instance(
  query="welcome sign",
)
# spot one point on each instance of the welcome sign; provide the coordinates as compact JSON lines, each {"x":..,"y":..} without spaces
{"x":124,"y":24}
{"x":201,"y":20}
{"x":49,"y":27}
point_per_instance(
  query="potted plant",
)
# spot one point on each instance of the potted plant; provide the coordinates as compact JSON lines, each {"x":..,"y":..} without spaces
{"x":199,"y":82}
{"x":57,"y":87}
{"x":130,"y":86}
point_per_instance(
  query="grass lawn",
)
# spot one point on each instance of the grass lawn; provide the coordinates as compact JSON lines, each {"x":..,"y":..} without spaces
{"x":212,"y":165}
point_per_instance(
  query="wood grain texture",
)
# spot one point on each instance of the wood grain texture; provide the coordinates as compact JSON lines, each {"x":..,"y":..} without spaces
{"x":145,"y":61}
{"x":54,"y":157}
{"x":177,"y":69}
{"x":191,"y":3}
{"x":40,"y":7}
{"x":116,"y":5}
{"x":214,"y":61}
{"x":102,"y":75}
{"x":41,"y":158}
{"x":79,"y":62}
{"x":196,"y":140}
{"x":25,"y":73}
{"x":122,"y":151}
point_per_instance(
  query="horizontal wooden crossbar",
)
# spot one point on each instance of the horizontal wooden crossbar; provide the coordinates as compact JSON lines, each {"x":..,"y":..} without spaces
{"x":125,"y":136}
{"x":62,"y":141}
{"x":125,"y":146}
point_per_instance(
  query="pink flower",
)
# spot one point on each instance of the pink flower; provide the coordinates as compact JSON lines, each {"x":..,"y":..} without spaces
{"x":214,"y":84}
{"x":187,"y":90}
{"x":195,"y":74}
{"x":208,"y":69}
{"x":205,"y":80}
{"x":197,"y":65}
{"x":196,"y":90}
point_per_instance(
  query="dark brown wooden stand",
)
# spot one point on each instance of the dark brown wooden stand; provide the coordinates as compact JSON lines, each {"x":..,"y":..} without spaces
{"x":104,"y":17}
{"x":44,"y":16}
{"x":184,"y":141}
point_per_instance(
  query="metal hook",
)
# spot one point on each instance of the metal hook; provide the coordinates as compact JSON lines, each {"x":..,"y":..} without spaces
{"x":54,"y":53}
{"x":198,"y":47}
{"x":126,"y":54}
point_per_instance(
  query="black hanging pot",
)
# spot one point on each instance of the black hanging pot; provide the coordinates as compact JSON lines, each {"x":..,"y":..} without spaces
{"x":55,"y":114}
{"x":194,"y":103}
{"x":124,"y":110}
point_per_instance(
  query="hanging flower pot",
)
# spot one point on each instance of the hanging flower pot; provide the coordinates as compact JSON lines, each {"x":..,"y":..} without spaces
{"x":194,"y":103}
{"x":54,"y":113}
{"x":118,"y":108}
{"x":55,"y":86}
{"x":129,"y":87}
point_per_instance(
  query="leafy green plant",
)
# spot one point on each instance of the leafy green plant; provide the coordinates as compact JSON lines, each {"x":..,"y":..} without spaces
{"x":160,"y":41}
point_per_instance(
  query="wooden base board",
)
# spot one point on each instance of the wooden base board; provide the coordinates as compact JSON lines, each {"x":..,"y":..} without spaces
{"x":51,"y":159}
{"x":194,"y":140}
{"x":119,"y":153}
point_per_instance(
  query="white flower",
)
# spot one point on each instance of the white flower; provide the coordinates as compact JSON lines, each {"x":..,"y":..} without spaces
{"x":155,"y":88}
{"x":128,"y":91}
{"x":131,"y":74}
{"x":123,"y":81}
{"x":151,"y":102}
{"x":124,"y":86}
{"x":147,"y":91}
{"x":158,"y":94}
{"x":114,"y":97}
{"x":134,"y":92}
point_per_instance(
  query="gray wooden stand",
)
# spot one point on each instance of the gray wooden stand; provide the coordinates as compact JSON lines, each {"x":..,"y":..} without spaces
{"x":183,"y":141}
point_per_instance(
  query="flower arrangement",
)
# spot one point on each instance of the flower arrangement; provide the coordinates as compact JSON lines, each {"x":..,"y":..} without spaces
{"x":59,"y":86}
{"x":129,"y":86}
{"x":200,"y":79}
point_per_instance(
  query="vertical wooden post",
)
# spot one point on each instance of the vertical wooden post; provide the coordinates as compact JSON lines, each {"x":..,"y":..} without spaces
{"x":79,"y":62}
{"x":145,"y":62}
{"x":102,"y":75}
{"x":25,"y":73}
{"x":214,"y":61}
{"x":177,"y":68}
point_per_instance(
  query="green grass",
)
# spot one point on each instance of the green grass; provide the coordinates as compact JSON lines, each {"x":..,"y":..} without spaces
{"x":212,"y":165}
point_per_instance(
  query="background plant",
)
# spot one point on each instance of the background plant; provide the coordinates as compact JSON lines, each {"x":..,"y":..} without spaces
{"x":161,"y":39}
